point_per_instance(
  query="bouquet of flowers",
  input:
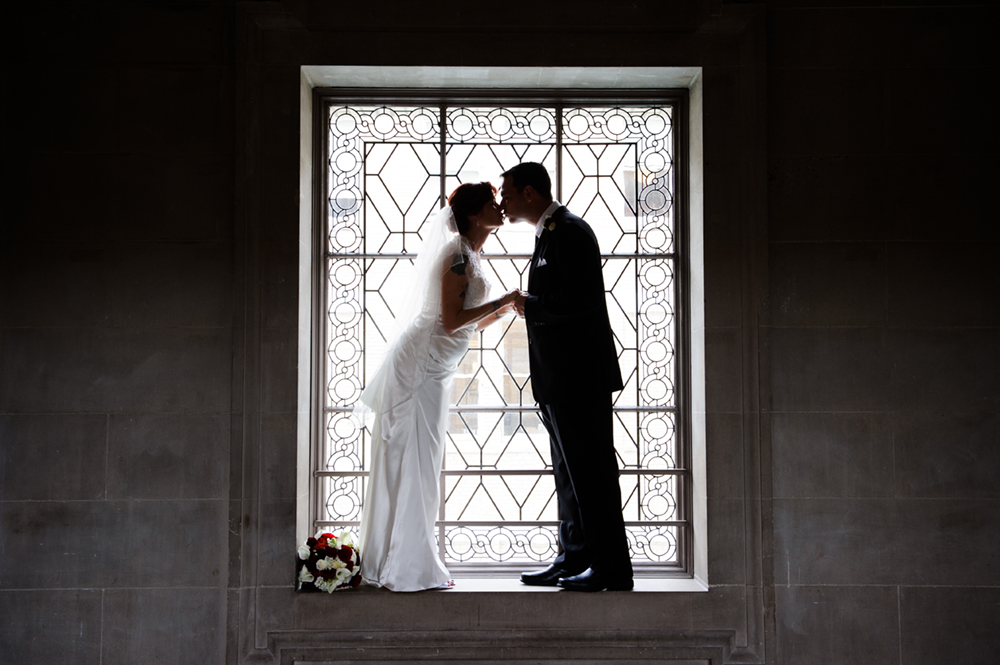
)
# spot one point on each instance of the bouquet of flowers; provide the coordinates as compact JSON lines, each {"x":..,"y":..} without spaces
{"x":328,"y":562}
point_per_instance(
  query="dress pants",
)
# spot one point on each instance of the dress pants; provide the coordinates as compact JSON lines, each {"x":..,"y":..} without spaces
{"x":592,"y":529}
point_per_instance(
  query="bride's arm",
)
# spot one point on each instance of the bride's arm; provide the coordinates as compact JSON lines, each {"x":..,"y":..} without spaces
{"x":499,"y":314}
{"x":454,"y":285}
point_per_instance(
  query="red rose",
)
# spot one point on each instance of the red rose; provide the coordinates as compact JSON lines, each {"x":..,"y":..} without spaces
{"x":344,"y":553}
{"x":311,"y":542}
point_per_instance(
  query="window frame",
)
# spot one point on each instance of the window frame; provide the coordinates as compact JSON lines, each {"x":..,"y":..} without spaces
{"x":679,"y":100}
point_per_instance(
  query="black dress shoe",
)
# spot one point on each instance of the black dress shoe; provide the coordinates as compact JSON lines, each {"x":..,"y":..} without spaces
{"x":548,"y":577}
{"x":592,"y":580}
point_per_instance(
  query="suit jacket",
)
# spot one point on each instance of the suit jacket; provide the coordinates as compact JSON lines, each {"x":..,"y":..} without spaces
{"x":570,"y":345}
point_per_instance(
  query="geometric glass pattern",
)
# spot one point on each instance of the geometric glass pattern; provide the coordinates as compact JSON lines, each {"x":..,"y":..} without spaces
{"x":388,"y":167}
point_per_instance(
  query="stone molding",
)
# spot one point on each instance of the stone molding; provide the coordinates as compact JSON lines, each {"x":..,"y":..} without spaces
{"x":730,"y":623}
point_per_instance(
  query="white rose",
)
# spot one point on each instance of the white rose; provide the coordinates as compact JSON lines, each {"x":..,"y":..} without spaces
{"x":337,"y":564}
{"x":304,"y":552}
{"x":305,"y":575}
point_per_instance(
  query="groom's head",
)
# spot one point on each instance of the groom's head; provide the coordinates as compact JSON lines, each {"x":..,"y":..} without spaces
{"x":526,"y":192}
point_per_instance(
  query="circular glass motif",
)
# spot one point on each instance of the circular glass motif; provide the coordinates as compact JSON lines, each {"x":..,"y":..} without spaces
{"x":345,"y":124}
{"x":383,"y":123}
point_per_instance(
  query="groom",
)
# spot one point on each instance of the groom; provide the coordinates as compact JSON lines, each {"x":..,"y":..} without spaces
{"x":574,"y":370}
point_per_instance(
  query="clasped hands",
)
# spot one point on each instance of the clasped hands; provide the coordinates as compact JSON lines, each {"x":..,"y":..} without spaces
{"x":513,"y":300}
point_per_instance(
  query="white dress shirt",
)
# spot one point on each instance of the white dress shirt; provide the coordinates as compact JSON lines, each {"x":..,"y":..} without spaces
{"x":540,"y":224}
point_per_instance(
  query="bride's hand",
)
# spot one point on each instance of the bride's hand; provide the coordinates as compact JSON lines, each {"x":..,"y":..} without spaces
{"x":509,"y":297}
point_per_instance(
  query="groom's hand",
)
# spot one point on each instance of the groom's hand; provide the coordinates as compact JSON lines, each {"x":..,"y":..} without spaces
{"x":519,"y":301}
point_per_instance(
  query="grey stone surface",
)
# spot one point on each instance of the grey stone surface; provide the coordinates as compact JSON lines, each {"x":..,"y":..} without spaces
{"x":56,"y":284}
{"x":931,"y":36}
{"x":172,"y":33}
{"x":827,"y":37}
{"x":886,"y":541}
{"x":837,"y":124}
{"x":922,"y":192}
{"x":829,"y":369}
{"x":948,"y":625}
{"x":724,"y":449}
{"x":278,"y":446}
{"x":835,"y":625}
{"x":831,"y":197}
{"x":835,"y":541}
{"x":280,"y":120}
{"x":360,"y":609}
{"x":948,"y":542}
{"x":168,"y":456}
{"x":727,"y":536}
{"x":723,"y":370}
{"x":827,"y":284}
{"x":279,"y":206}
{"x":191,"y":113}
{"x":280,"y":291}
{"x":279,"y":362}
{"x":832,"y":454}
{"x":172,"y":197}
{"x":115,"y":370}
{"x":53,"y":457}
{"x":944,"y":284}
{"x":954,"y":369}
{"x":91,"y":92}
{"x":187,"y":541}
{"x":61,"y":626}
{"x":723,"y":284}
{"x":63,"y":545}
{"x":947,"y":455}
{"x":175,"y":285}
{"x":168,"y":626}
{"x":51,"y":206}
{"x":88,"y":544}
{"x":962,"y":120}
{"x":276,"y":546}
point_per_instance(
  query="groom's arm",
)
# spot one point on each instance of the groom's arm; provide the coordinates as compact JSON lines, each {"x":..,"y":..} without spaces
{"x":578,"y":292}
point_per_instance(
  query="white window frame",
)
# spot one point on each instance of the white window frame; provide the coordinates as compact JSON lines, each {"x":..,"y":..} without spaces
{"x":608,"y":79}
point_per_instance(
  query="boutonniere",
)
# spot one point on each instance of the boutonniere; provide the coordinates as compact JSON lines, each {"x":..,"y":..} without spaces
{"x":549,"y":225}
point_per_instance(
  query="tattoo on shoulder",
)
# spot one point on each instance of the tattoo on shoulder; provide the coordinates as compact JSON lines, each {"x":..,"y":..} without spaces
{"x":460,"y":265}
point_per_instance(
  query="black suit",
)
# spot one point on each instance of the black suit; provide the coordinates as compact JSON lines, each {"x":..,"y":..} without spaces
{"x":574,"y":370}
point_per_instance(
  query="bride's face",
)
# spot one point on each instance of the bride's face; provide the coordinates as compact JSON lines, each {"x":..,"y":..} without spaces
{"x":489,"y":216}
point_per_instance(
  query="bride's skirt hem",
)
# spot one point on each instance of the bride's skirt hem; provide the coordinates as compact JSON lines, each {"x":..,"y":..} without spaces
{"x":447,"y":584}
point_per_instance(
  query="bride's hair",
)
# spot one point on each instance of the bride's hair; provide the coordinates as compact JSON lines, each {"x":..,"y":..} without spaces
{"x":469,"y":199}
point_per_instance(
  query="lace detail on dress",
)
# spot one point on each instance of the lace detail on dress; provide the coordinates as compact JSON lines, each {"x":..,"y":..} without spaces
{"x":479,"y":288}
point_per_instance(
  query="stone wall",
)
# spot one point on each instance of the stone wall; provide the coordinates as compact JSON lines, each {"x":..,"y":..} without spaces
{"x":148,"y":333}
{"x":884,"y":307}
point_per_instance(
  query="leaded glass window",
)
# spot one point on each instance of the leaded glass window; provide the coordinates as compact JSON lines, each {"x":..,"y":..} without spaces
{"x":388,"y":165}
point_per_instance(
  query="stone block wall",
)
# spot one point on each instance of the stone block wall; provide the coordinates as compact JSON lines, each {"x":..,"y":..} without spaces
{"x":885,"y":354}
{"x":116,"y":326}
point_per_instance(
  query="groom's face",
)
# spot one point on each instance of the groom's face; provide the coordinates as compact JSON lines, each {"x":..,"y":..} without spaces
{"x":513,"y":203}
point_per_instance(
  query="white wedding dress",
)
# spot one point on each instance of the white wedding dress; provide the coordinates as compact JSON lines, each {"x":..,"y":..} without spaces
{"x":410,"y":395}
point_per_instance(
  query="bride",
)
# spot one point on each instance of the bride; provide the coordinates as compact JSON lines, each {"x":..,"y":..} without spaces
{"x":410,"y":392}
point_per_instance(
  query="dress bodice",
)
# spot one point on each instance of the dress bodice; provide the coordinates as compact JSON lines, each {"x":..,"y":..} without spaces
{"x":479,"y":288}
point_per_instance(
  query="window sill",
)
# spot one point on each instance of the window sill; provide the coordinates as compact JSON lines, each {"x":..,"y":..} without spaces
{"x":642,"y":585}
